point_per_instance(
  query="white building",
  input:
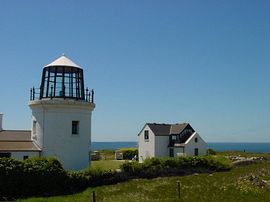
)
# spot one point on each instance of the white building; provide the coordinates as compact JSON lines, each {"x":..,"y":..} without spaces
{"x":17,"y":143}
{"x":169,"y":140}
{"x":61,"y":115}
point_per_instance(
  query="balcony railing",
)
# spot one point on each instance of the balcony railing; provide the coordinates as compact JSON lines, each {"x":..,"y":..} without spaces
{"x":35,"y":94}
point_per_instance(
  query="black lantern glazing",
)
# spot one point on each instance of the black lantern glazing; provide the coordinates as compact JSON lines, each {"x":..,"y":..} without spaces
{"x":62,"y":82}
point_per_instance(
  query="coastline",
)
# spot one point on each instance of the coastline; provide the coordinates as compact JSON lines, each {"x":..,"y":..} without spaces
{"x":218,"y":146}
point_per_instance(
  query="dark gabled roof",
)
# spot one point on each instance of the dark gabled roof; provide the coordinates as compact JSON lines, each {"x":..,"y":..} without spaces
{"x":160,"y":129}
{"x":178,"y":128}
{"x":167,"y":129}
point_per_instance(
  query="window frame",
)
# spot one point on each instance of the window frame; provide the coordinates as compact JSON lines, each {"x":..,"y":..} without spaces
{"x":174,"y":138}
{"x":146,"y":135}
{"x":5,"y":155}
{"x":75,"y":127}
{"x":34,"y":129}
{"x":196,"y":151}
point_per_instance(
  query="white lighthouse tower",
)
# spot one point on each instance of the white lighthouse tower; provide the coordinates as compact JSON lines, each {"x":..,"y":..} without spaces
{"x":61,"y":114}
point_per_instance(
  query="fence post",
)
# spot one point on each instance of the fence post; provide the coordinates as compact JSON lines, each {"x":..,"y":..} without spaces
{"x":94,"y":196}
{"x":34,"y":93}
{"x":31,"y":94}
{"x":86,"y":97}
{"x":178,"y":188}
{"x":92,"y":96}
{"x":51,"y":91}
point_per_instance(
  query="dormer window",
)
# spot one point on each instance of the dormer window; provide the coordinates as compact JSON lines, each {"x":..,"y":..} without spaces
{"x":146,"y":135}
{"x":174,"y":137}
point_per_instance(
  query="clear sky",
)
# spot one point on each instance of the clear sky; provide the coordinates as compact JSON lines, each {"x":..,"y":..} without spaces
{"x":202,"y":62}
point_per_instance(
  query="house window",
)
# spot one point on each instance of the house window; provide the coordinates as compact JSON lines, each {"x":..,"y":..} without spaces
{"x":146,"y":135}
{"x":196,"y":139}
{"x":171,"y":152}
{"x":34,"y":127}
{"x":75,"y":127}
{"x":174,"y":137}
{"x":25,"y":157}
{"x":196,"y":151}
{"x":6,"y":155}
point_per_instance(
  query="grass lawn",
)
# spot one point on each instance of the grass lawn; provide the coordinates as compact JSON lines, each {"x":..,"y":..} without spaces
{"x":107,"y":164}
{"x":221,"y":186}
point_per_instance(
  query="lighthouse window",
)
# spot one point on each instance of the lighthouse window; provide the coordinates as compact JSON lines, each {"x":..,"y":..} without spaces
{"x":34,"y":127}
{"x":75,"y":127}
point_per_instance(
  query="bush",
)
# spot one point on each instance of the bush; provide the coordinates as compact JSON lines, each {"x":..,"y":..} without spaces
{"x":43,"y":176}
{"x":129,"y":153}
{"x":46,"y":176}
{"x":34,"y":176}
{"x":211,"y":152}
{"x":154,"y":167}
{"x":77,"y":181}
{"x":132,"y":168}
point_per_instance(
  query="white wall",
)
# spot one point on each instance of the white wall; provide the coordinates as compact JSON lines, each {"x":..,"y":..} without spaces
{"x":1,"y":123}
{"x":191,"y":145}
{"x":179,"y":151}
{"x":161,"y":146}
{"x":20,"y":154}
{"x":54,"y":130}
{"x":146,"y":148}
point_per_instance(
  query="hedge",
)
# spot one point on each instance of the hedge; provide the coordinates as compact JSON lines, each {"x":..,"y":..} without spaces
{"x":154,"y":167}
{"x":42,"y":176}
{"x":46,"y":176}
{"x":36,"y":177}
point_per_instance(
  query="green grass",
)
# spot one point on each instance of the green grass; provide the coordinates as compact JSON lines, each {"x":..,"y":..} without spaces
{"x":243,"y":154}
{"x":107,"y":164}
{"x":107,"y":154}
{"x":221,"y":186}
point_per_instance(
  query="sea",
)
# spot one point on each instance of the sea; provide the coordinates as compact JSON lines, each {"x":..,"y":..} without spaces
{"x":217,"y":146}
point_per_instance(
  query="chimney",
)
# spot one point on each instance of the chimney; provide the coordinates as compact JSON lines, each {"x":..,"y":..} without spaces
{"x":1,"y":119}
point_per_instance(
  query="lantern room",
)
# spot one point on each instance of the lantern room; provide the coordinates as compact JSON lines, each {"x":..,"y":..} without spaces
{"x":62,"y":79}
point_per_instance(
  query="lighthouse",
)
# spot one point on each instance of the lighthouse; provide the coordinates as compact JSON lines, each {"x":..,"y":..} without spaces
{"x":61,"y":114}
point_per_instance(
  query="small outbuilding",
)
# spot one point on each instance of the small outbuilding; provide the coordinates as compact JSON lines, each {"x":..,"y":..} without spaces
{"x":169,"y":140}
{"x":17,"y":144}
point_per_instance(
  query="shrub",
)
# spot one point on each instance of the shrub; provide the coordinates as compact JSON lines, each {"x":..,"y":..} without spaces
{"x":43,"y":176}
{"x":132,"y":168}
{"x":129,"y":153}
{"x":77,"y":181}
{"x":211,"y":152}
{"x":170,"y":166}
{"x":34,"y":176}
{"x":46,"y":176}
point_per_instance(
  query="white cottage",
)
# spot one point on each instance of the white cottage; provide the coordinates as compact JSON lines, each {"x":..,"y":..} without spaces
{"x":169,"y":140}
{"x":61,"y":118}
{"x":17,"y":143}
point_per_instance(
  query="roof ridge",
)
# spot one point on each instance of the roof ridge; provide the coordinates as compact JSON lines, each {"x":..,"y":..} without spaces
{"x":16,"y":130}
{"x":170,"y":129}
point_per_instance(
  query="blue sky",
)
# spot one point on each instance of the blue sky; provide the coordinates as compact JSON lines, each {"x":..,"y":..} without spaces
{"x":202,"y":62}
